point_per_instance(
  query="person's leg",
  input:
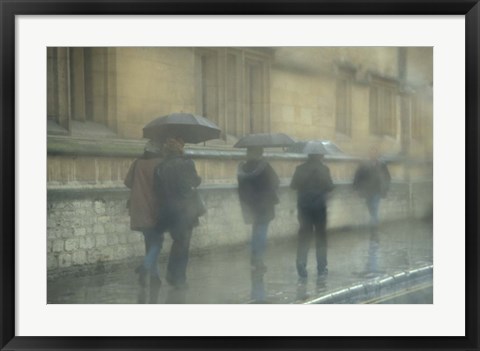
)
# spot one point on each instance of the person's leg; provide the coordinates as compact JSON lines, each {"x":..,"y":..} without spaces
{"x":321,"y":240}
{"x":149,"y":267}
{"x":304,"y":238}
{"x":373,"y":204}
{"x":374,"y":244}
{"x":154,"y":242}
{"x":259,"y":243}
{"x":178,"y":259}
{"x":258,"y":287}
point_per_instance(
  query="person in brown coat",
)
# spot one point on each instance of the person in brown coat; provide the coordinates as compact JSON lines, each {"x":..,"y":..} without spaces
{"x":143,"y":208}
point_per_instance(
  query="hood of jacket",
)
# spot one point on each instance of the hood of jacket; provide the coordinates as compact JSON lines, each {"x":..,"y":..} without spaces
{"x":251,"y":168}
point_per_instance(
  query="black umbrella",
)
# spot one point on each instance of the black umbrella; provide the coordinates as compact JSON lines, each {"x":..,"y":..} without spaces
{"x":191,"y":128}
{"x":265,"y":140}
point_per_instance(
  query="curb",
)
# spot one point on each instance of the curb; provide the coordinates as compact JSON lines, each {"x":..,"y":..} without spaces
{"x":377,"y":287}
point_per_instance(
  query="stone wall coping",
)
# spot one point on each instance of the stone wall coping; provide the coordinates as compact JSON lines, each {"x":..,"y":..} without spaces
{"x":72,"y":146}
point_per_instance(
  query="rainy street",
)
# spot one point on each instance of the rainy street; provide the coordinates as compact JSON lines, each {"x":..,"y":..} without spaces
{"x":225,"y":276}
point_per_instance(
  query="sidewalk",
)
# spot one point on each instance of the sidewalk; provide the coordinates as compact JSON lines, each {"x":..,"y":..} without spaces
{"x":226,"y":278}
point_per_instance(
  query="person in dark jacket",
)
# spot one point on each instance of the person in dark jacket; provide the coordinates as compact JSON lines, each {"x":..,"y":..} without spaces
{"x":313,"y":182}
{"x":176,"y":180}
{"x":372,"y":181}
{"x":143,"y":207}
{"x":257,"y":190}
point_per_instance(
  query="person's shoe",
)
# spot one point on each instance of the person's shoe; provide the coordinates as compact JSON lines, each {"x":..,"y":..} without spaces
{"x":302,"y":272}
{"x":142,"y":276}
{"x":142,"y":282}
{"x":181,"y":286}
{"x":322,"y":272}
{"x":170,"y":280}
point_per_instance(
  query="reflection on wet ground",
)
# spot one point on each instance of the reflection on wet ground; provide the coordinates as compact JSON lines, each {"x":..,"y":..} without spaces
{"x":225,"y":277}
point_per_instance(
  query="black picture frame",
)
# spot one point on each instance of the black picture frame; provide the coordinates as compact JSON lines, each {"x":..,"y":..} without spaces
{"x":10,"y":8}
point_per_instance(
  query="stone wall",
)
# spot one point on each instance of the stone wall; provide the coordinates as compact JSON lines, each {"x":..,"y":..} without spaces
{"x":88,"y":227}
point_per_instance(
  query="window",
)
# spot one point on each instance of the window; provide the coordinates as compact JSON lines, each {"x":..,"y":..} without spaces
{"x":232,"y":89}
{"x":208,"y":89}
{"x":233,"y":103}
{"x":343,"y":111}
{"x":417,"y":118}
{"x":254,"y":98}
{"x":77,"y":90}
{"x":383,"y":119}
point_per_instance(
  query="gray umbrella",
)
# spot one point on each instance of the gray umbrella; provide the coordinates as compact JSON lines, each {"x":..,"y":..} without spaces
{"x":191,"y":128}
{"x":265,"y":140}
{"x":324,"y":147}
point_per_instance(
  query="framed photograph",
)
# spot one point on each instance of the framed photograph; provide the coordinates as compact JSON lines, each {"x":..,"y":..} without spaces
{"x":193,"y":152}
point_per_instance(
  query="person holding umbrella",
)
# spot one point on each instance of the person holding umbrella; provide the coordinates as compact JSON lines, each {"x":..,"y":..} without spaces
{"x":313,"y":182}
{"x":257,"y":190}
{"x":143,"y":207}
{"x":176,"y":180}
{"x":372,"y":181}
{"x":175,"y":183}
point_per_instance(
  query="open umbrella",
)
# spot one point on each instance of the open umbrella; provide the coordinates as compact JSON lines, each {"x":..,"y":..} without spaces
{"x":265,"y":140}
{"x":324,"y":147}
{"x":191,"y":128}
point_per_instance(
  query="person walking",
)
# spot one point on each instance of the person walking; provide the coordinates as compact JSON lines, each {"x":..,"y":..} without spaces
{"x":143,"y":207}
{"x":175,"y":181}
{"x":372,"y":182}
{"x":313,"y":182}
{"x":257,"y":190}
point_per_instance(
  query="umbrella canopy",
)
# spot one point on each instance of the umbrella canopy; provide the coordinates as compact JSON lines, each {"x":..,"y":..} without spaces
{"x":265,"y":140}
{"x":324,"y":147}
{"x":191,"y":128}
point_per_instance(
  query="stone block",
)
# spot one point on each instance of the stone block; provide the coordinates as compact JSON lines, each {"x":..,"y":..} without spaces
{"x":122,"y":238}
{"x":87,"y":242}
{"x":52,"y":262}
{"x":64,"y":260}
{"x":100,"y":241}
{"x":112,"y":239}
{"x":122,"y":252}
{"x":133,"y":238}
{"x":109,"y":227}
{"x":79,"y":231}
{"x":51,"y":233}
{"x":122,"y":228}
{"x":103,"y":219}
{"x":99,"y":207}
{"x":93,"y":256}
{"x":65,"y":232}
{"x":79,"y":257}
{"x":106,"y":253}
{"x":58,"y":245}
{"x":71,"y":244}
{"x":98,"y":229}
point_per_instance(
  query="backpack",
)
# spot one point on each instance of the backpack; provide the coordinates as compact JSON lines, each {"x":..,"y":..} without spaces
{"x":175,"y":186}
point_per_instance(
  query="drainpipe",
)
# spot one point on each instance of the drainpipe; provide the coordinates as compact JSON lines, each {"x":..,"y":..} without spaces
{"x":405,"y":121}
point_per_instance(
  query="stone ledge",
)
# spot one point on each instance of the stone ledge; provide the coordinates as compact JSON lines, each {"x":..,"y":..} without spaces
{"x":72,"y":146}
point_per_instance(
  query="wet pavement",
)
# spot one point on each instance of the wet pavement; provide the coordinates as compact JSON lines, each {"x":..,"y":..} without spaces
{"x":225,"y":277}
